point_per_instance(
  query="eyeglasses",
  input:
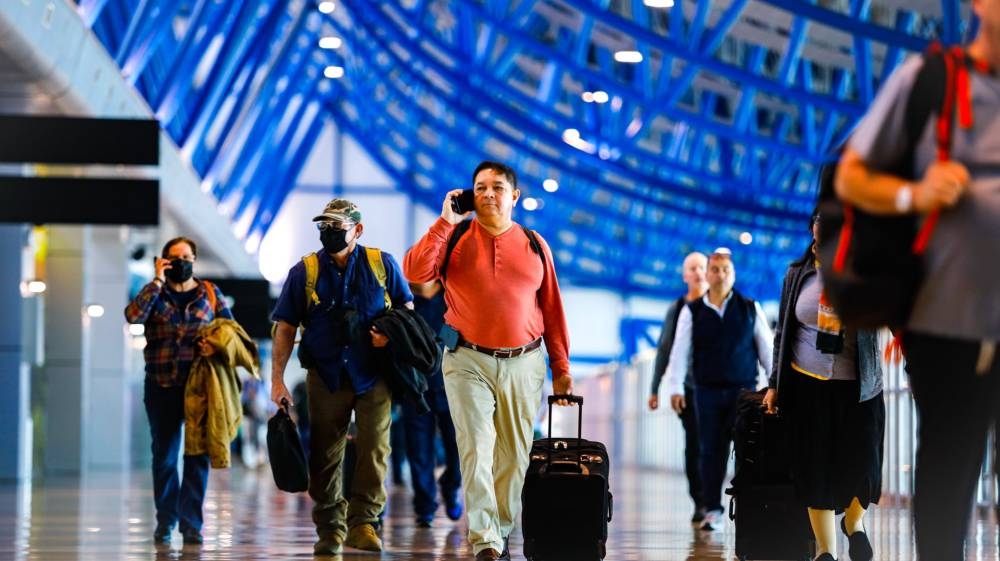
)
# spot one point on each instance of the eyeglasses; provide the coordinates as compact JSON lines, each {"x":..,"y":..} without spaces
{"x":324,"y":225}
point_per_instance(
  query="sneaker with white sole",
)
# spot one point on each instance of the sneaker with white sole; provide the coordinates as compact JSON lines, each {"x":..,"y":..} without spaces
{"x":713,"y":520}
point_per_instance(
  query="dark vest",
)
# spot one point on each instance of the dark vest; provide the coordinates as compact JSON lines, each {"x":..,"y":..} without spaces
{"x":723,"y":348}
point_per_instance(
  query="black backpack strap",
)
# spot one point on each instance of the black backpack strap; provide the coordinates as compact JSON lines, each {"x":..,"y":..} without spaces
{"x":460,"y":229}
{"x":926,"y":97}
{"x":464,"y":226}
{"x":535,"y":245}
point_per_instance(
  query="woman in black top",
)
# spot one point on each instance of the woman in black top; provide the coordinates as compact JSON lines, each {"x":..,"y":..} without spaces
{"x":827,"y":382}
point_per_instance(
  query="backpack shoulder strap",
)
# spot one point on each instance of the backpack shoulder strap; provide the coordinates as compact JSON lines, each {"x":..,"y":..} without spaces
{"x":536,"y":246}
{"x":374,"y":255}
{"x":311,"y":263}
{"x":210,"y":292}
{"x":460,"y":229}
{"x":928,"y":93}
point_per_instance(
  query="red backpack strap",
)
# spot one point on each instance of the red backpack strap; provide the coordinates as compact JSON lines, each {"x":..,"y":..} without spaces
{"x":210,"y":292}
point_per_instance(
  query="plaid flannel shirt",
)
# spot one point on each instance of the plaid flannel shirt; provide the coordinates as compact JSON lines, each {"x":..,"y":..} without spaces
{"x":170,"y":330}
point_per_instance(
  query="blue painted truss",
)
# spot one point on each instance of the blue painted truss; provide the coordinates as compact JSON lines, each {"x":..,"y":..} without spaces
{"x":713,"y":139}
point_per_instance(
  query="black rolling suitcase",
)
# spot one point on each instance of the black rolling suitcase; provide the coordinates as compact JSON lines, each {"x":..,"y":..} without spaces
{"x":770,"y":522}
{"x":566,"y":505}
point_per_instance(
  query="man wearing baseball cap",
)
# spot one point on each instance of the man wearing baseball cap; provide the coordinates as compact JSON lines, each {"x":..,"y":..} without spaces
{"x":334,"y":294}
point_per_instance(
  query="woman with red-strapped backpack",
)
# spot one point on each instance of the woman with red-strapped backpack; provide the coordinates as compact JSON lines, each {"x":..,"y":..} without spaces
{"x":950,"y":336}
{"x":173,"y":307}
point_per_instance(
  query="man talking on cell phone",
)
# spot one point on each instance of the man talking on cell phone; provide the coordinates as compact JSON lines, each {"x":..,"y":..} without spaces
{"x":503,"y":301}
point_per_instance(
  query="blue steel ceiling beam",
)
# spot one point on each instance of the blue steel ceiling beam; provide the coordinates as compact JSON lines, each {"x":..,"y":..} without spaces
{"x":852,"y":26}
{"x":90,"y":10}
{"x":289,"y":65}
{"x":388,"y":78}
{"x":380,"y":29}
{"x":297,"y":144}
{"x":385,"y":23}
{"x":257,"y":23}
{"x":528,"y":44}
{"x":175,"y":95}
{"x":133,"y":62}
{"x":260,"y":134}
{"x":711,"y":64}
{"x":257,"y":63}
{"x":709,"y":45}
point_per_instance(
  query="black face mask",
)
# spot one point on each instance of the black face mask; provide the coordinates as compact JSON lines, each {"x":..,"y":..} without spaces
{"x":179,"y":271}
{"x":334,"y":241}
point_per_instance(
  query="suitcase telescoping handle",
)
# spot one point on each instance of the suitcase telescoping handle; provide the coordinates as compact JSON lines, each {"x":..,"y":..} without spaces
{"x":577,"y":399}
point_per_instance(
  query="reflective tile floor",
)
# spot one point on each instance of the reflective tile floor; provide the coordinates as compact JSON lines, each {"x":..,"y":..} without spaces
{"x":110,"y":516}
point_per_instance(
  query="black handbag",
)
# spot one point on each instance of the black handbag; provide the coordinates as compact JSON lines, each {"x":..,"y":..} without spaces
{"x":284,"y":448}
{"x":872,"y":265}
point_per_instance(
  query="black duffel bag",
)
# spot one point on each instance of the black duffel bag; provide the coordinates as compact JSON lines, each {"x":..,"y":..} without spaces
{"x":284,"y":448}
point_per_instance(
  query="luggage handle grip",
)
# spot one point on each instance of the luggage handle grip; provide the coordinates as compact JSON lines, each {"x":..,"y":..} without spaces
{"x":577,"y":399}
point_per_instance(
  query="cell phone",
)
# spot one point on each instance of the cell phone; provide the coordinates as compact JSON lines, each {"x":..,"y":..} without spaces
{"x":464,"y":201}
{"x":449,"y":336}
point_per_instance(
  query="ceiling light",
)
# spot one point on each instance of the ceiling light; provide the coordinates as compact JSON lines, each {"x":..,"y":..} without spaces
{"x":327,"y":7}
{"x":588,"y":97}
{"x":746,"y":238}
{"x":136,"y":329}
{"x":95,"y":310}
{"x":630,"y":57}
{"x":330,"y":42}
{"x":601,"y":96}
{"x":550,"y":185}
{"x":529,"y":204}
{"x":659,"y":3}
{"x":333,"y":71}
{"x":571,"y":134}
{"x":36,"y":286}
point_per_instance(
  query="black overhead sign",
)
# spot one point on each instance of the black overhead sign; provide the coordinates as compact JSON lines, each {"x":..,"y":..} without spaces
{"x":74,"y":141}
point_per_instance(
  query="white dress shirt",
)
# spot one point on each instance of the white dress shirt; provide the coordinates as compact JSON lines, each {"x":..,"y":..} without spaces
{"x":680,"y":354}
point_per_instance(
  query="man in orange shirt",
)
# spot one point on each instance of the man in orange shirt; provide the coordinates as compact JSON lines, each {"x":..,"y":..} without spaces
{"x":503,"y":300}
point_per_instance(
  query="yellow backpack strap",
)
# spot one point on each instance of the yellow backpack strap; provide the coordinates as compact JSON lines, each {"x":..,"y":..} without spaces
{"x":311,"y":262}
{"x":378,"y":267}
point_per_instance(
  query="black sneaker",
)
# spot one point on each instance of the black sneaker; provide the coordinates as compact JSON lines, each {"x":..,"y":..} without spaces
{"x":162,"y":533}
{"x":698,"y":517}
{"x":425,"y":521}
{"x":825,"y":557}
{"x":192,"y":536}
{"x":505,"y":554}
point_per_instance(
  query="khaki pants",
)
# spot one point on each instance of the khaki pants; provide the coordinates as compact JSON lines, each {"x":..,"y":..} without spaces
{"x":493,"y":403}
{"x":329,"y":417}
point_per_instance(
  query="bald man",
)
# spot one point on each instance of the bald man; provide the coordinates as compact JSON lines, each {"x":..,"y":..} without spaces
{"x":693,"y":273}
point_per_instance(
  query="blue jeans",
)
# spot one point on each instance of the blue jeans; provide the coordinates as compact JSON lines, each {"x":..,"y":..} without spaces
{"x":716,"y":413}
{"x":176,"y":500}
{"x":420,"y":450}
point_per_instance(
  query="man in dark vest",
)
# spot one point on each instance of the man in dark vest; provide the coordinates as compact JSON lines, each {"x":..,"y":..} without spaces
{"x":726,"y":335}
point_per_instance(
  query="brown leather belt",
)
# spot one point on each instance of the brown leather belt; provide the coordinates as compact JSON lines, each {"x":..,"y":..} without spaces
{"x":510,"y":352}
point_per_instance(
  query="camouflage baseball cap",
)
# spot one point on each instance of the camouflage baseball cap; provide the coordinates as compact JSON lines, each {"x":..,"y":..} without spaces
{"x":340,"y":209}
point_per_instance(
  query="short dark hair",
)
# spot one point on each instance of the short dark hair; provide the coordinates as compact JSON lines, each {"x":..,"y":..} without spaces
{"x":503,"y":169}
{"x":177,"y":240}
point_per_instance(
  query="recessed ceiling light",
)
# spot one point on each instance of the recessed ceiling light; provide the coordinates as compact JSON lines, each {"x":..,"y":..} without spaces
{"x":659,"y":3}
{"x":330,"y":43}
{"x":529,"y":204}
{"x":630,"y":57}
{"x":601,"y":97}
{"x":588,"y":97}
{"x":333,"y":71}
{"x":550,"y":185}
{"x":327,"y":7}
{"x":746,"y":238}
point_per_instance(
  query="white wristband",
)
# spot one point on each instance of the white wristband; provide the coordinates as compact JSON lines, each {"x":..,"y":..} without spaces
{"x":904,"y":199}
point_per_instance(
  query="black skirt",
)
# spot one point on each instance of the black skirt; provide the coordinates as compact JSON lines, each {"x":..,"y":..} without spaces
{"x":837,"y":442}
